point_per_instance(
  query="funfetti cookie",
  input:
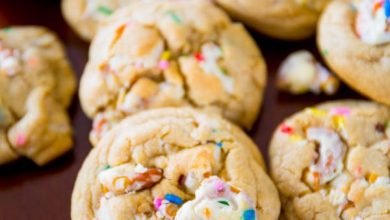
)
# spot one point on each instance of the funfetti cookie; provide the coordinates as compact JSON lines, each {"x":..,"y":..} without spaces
{"x":84,"y":16}
{"x":355,"y":42}
{"x":36,"y":87}
{"x":332,"y":162}
{"x":283,"y":19}
{"x":172,"y":53}
{"x":174,"y":164}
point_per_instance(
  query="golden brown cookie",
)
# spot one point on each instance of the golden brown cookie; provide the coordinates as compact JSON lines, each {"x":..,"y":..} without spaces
{"x":283,"y":19}
{"x":36,"y":87}
{"x":172,"y":53}
{"x":332,"y":162}
{"x":359,"y":55}
{"x":180,"y":162}
{"x":84,"y":16}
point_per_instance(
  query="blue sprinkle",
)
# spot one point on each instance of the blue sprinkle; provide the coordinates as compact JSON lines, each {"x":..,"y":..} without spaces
{"x":249,"y":214}
{"x":219,"y":144}
{"x":386,"y":6}
{"x":173,"y":199}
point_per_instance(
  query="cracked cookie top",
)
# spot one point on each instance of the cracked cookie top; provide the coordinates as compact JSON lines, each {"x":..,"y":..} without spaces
{"x":332,"y":161}
{"x":36,"y":87}
{"x":172,"y":53}
{"x":174,"y":163}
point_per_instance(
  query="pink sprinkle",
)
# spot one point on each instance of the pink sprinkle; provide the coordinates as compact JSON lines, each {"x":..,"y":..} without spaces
{"x":220,"y":187}
{"x":163,"y":64}
{"x":138,"y":65}
{"x":157,"y":202}
{"x":21,"y":140}
{"x":344,"y":111}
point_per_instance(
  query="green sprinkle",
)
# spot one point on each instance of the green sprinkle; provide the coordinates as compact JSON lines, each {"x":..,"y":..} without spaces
{"x":324,"y":52}
{"x":174,"y":17}
{"x":106,"y":167}
{"x":224,"y":202}
{"x":7,"y":29}
{"x":104,"y":10}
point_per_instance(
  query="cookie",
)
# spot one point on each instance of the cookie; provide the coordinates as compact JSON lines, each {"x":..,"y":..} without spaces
{"x":285,"y":19}
{"x":168,"y":54}
{"x":332,"y":161}
{"x":84,"y":16}
{"x":163,"y":163}
{"x":36,"y":86}
{"x":353,"y":43}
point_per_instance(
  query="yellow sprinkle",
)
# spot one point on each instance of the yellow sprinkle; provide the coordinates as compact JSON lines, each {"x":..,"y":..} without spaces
{"x":296,"y":137}
{"x":207,"y":212}
{"x":372,"y":178}
{"x":165,"y":55}
{"x":338,"y":121}
{"x":316,"y":112}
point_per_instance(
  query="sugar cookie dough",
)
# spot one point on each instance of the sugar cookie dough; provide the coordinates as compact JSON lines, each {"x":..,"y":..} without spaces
{"x":172,"y":53}
{"x":36,"y":87}
{"x":283,"y":19}
{"x":332,"y":162}
{"x":174,"y":164}
{"x":355,"y":42}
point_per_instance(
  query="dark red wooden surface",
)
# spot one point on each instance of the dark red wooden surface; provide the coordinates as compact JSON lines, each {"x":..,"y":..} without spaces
{"x":31,"y":192}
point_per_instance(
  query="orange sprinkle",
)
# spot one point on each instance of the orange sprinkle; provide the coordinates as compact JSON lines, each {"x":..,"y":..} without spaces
{"x":104,"y":189}
{"x":118,"y":34}
{"x":377,"y":5}
{"x":234,"y":189}
{"x":207,"y":212}
{"x":372,"y":178}
{"x":329,"y":161}
{"x":207,"y":174}
{"x":316,"y":184}
{"x":171,"y":209}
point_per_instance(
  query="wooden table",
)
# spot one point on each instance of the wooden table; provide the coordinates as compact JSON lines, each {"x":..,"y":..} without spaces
{"x":31,"y":192}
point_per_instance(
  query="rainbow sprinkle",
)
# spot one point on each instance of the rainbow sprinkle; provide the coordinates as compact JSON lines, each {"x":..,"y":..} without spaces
{"x":223,"y":202}
{"x":338,"y":121}
{"x":21,"y":140}
{"x":344,"y":111}
{"x":248,"y":214}
{"x":106,"y":167}
{"x":199,"y":57}
{"x":386,"y":7}
{"x":219,"y":144}
{"x":157,"y":202}
{"x":104,"y":10}
{"x":316,"y":112}
{"x":174,"y":17}
{"x":286,"y":129}
{"x":173,"y":199}
{"x":325,"y":52}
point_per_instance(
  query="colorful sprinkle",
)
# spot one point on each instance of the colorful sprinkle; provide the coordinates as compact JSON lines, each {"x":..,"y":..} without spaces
{"x":106,"y":167}
{"x":316,"y":183}
{"x":219,"y":144}
{"x":325,"y":52}
{"x":234,"y":189}
{"x":340,"y":111}
{"x":104,"y":10}
{"x":174,"y":17}
{"x":199,"y":57}
{"x":173,"y":199}
{"x":372,"y":178}
{"x":118,"y":34}
{"x":386,"y":6}
{"x":286,"y":129}
{"x":166,"y":55}
{"x":316,"y":112}
{"x":219,"y":187}
{"x":207,"y":212}
{"x":249,"y":214}
{"x":163,"y":64}
{"x":295,"y":137}
{"x":7,"y":29}
{"x":21,"y":140}
{"x":338,"y":121}
{"x":223,"y":202}
{"x":157,"y":202}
